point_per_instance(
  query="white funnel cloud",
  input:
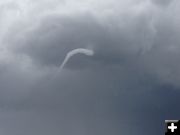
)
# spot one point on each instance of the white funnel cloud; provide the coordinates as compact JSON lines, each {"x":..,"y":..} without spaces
{"x":70,"y":54}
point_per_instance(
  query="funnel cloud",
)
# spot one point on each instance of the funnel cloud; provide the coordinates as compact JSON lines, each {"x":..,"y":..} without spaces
{"x":74,"y":52}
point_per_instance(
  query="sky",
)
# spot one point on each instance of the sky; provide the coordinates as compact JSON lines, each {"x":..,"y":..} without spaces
{"x":130,"y":86}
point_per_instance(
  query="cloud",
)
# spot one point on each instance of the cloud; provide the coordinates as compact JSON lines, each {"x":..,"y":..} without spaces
{"x":131,"y":81}
{"x":162,"y":2}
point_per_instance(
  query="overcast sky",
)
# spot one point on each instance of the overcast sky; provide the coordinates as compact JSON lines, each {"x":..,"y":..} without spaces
{"x":129,"y":87}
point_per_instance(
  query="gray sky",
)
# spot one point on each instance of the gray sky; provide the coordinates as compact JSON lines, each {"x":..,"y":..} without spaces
{"x":129,"y":87}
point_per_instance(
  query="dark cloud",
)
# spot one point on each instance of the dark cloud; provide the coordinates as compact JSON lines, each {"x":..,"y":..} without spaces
{"x":162,"y":2}
{"x":128,"y":87}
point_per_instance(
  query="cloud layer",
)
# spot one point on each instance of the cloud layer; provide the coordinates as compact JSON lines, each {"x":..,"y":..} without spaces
{"x":127,"y":87}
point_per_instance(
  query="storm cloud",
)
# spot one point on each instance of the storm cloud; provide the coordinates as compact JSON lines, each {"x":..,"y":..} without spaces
{"x":129,"y":86}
